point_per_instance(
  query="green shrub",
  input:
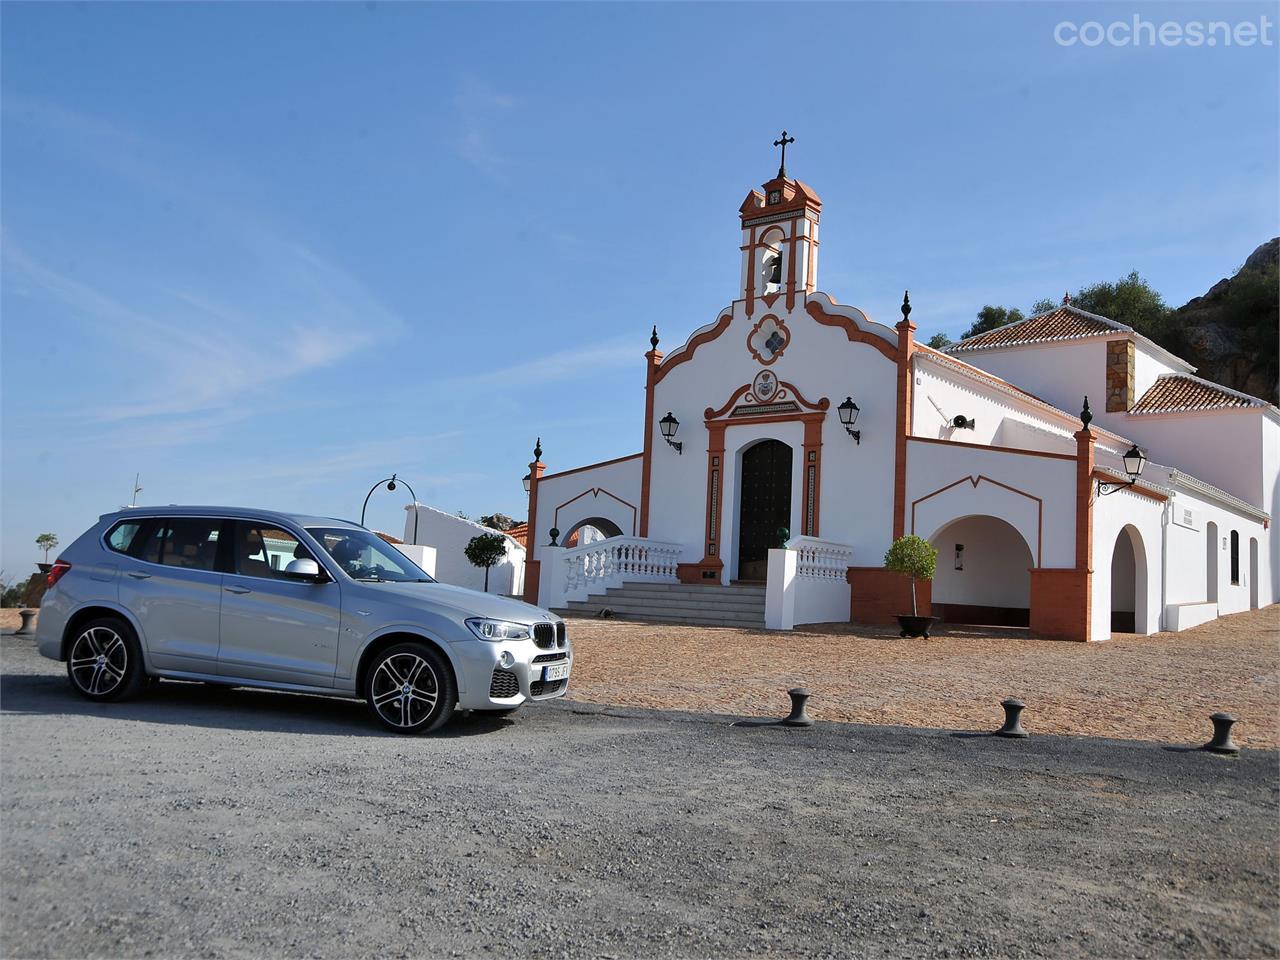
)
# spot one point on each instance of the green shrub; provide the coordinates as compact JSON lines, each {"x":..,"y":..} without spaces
{"x":915,"y":557}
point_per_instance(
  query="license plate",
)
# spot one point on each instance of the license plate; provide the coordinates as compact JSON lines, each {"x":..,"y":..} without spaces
{"x":556,"y":671}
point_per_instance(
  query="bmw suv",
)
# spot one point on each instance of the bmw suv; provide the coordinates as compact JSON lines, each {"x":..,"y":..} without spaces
{"x":264,"y":599}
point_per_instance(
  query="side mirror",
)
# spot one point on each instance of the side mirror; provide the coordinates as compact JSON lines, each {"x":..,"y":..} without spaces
{"x":303,"y":570}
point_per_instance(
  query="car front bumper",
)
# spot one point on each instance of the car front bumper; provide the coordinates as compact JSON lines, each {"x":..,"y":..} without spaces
{"x":491,"y":685}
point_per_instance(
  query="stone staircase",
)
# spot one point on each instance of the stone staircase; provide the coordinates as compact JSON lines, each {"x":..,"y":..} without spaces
{"x":712,"y":605}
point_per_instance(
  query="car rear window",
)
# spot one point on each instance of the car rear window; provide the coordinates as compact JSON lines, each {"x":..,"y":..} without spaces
{"x":120,"y":537}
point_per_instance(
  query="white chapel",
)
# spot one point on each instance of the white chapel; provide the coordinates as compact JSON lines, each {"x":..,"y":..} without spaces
{"x":792,"y":438}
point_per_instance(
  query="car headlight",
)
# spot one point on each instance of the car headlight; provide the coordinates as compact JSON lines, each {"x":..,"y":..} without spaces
{"x":496,"y":630}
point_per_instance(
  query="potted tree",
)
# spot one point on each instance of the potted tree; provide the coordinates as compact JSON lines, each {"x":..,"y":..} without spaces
{"x":46,"y":542}
{"x":485,"y":551}
{"x":916,"y":558}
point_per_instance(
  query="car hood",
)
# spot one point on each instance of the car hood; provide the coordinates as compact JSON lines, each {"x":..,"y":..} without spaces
{"x":470,"y":603}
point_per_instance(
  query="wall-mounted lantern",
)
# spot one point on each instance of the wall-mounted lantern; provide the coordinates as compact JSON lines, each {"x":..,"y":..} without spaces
{"x":669,"y":425}
{"x":527,"y":481}
{"x":1134,"y":463}
{"x":959,"y":556}
{"x":849,"y":416}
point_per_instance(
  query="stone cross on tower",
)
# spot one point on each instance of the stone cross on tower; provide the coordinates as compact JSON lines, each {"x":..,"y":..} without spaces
{"x":782,"y":167}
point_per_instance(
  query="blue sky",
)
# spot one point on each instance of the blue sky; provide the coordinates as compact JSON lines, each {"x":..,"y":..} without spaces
{"x":267,"y":254}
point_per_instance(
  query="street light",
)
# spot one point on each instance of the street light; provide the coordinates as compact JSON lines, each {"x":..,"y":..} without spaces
{"x":391,"y":485}
{"x":669,"y":425}
{"x":849,"y":416}
{"x":527,"y":481}
{"x":1134,"y":463}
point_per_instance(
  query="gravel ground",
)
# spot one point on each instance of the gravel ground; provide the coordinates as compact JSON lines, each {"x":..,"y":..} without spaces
{"x":1160,"y":688}
{"x":199,"y":821}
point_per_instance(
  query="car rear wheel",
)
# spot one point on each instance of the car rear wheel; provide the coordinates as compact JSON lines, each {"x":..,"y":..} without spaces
{"x":105,"y":661}
{"x":410,"y":688}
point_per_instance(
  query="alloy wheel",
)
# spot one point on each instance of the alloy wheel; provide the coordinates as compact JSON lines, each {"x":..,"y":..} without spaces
{"x":405,"y":690}
{"x":99,"y":660}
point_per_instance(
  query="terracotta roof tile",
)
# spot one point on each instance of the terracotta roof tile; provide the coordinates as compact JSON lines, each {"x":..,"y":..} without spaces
{"x":1178,"y":393}
{"x":1065,"y":323}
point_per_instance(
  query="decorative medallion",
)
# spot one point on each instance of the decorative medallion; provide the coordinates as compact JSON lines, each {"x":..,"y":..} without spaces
{"x":764,"y":386}
{"x":768,"y":339}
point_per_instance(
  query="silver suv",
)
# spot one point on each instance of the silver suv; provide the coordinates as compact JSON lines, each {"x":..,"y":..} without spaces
{"x":264,"y":599}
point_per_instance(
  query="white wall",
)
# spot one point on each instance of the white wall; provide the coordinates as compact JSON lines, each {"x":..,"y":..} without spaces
{"x":449,"y":535}
{"x":857,"y":487}
{"x":565,"y":499}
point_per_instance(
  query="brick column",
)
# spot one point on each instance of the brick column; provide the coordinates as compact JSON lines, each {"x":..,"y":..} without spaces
{"x":651,"y":361}
{"x":1062,"y":599}
{"x":532,"y":567}
{"x":906,"y":348}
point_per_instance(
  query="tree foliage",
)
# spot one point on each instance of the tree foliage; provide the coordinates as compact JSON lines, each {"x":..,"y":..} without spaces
{"x":1130,"y":300}
{"x":940,"y":341}
{"x":47,"y":542}
{"x":915,"y":557}
{"x":486,"y":550}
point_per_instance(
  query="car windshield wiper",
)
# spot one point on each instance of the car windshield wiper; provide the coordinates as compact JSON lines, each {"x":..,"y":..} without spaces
{"x":370,"y":579}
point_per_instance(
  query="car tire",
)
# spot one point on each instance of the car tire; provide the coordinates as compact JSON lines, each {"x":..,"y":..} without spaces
{"x":104,"y":661}
{"x":410,"y":688}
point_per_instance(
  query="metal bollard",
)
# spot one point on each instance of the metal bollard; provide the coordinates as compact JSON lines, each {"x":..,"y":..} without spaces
{"x":798,"y":718}
{"x":28,"y":617}
{"x":1222,"y":742}
{"x":1012,"y":719}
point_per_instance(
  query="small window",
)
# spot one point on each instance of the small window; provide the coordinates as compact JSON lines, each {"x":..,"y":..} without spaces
{"x":1235,"y":557}
{"x":120,"y":538}
{"x":262,"y":550}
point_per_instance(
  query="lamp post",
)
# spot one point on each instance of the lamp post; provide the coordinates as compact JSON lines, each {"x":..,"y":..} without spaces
{"x":391,"y":485}
{"x":669,"y":425}
{"x":1134,"y":462}
{"x":849,"y":416}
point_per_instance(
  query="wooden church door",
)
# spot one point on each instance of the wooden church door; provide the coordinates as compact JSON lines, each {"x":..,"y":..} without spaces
{"x":765,"y":505}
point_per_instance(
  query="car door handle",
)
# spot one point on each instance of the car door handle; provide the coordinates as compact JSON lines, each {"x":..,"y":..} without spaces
{"x":237,"y":590}
{"x":139,"y":575}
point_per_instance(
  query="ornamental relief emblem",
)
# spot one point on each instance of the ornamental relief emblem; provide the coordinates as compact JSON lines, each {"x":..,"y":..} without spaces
{"x":764,"y":388}
{"x":768,"y":339}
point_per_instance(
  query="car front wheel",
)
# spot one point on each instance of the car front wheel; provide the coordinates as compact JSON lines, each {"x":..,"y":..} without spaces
{"x":410,"y":688}
{"x":105,"y":661}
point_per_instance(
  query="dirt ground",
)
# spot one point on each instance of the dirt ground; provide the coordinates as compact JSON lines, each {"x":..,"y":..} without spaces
{"x":1159,"y":688}
{"x":9,"y":619}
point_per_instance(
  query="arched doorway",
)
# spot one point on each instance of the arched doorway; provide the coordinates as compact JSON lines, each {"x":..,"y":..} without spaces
{"x":1128,"y":583}
{"x":984,"y":573}
{"x":764,"y":505}
{"x":589,"y":531}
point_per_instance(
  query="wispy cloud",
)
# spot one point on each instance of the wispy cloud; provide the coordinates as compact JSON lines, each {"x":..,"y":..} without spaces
{"x":480,"y":109}
{"x":594,"y":358}
{"x":214,"y":351}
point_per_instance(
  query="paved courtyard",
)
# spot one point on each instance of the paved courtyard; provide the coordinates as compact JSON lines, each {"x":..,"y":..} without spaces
{"x":1159,"y":688}
{"x":206,"y":822}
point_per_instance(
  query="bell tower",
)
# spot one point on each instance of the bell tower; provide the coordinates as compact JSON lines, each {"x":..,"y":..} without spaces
{"x":779,"y":238}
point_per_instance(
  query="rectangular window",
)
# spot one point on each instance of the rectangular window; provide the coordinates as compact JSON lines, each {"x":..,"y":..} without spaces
{"x":263,"y":550}
{"x":1235,"y":557}
{"x":187,"y":542}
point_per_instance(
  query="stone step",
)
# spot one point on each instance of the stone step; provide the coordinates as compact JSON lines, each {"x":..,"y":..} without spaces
{"x":661,"y":590}
{"x":746,"y":605}
{"x":690,"y":619}
{"x":634,"y":605}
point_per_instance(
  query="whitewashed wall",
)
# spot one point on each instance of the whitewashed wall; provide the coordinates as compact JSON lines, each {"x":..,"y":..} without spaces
{"x":1111,"y":515}
{"x":566,"y":499}
{"x":449,"y":535}
{"x":997,"y":564}
{"x":857,"y":487}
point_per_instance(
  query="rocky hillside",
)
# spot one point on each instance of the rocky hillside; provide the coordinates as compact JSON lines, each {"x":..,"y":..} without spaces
{"x":1231,"y":333}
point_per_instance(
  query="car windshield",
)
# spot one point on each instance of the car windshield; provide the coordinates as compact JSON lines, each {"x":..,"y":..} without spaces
{"x":366,"y":556}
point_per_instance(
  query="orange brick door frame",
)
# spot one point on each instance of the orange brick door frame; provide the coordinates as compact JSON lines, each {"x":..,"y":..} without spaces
{"x":710,"y":568}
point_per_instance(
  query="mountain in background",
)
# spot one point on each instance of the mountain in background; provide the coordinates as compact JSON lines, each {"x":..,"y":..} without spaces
{"x":1231,"y":332}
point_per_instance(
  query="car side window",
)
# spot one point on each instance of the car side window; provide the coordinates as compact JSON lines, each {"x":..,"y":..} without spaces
{"x":263,"y":550}
{"x":121,"y":536}
{"x":187,"y":542}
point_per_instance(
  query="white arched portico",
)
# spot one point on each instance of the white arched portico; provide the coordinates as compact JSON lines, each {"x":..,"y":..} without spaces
{"x":983,"y":574}
{"x":980,"y":497}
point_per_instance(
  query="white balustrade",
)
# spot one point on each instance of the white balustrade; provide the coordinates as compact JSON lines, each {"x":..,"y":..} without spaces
{"x":820,"y":559}
{"x":595,"y":567}
{"x":808,"y":583}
